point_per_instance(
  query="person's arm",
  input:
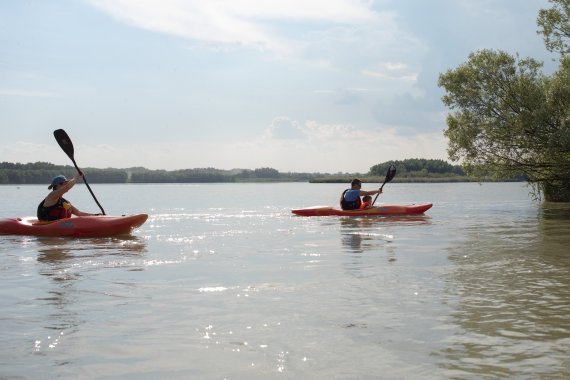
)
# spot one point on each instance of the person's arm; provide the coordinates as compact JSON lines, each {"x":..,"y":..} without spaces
{"x":67,"y":186}
{"x":52,"y":197}
{"x":372,"y":192}
{"x":77,"y":212}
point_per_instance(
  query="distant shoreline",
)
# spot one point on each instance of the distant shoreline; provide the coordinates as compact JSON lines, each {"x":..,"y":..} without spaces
{"x":409,"y":171}
{"x":412,"y":180}
{"x":313,"y":181}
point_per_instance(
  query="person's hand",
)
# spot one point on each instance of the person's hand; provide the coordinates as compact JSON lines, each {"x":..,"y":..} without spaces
{"x":380,"y":191}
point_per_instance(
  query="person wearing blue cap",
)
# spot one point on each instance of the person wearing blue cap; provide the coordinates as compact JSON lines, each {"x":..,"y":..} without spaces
{"x":54,"y":206}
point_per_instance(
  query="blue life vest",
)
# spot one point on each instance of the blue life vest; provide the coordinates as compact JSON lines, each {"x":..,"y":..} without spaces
{"x":349,"y":205}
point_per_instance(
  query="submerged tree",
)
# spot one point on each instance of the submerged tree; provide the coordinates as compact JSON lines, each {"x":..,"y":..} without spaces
{"x":508,"y":118}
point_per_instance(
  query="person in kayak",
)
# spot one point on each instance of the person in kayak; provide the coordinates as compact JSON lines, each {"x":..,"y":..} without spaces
{"x":366,"y":202}
{"x":54,"y":206}
{"x":350,"y":199}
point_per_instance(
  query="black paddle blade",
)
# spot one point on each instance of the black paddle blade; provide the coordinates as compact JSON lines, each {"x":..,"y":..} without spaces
{"x":64,"y":142}
{"x":390,"y":174}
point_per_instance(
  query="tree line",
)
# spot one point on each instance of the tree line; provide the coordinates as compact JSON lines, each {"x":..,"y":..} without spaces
{"x":43,"y":172}
{"x":418,"y":167}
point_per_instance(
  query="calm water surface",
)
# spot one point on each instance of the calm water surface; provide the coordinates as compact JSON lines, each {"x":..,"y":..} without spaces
{"x":223,"y":282}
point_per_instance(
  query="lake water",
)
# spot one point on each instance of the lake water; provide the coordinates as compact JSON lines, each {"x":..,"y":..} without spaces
{"x":223,"y":282}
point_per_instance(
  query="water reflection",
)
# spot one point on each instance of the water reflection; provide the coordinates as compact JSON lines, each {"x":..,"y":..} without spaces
{"x":512,"y":287}
{"x":555,"y":211}
{"x":60,"y":249}
{"x":555,"y":229}
{"x":68,"y":263}
{"x":356,"y":235}
{"x":364,"y":234}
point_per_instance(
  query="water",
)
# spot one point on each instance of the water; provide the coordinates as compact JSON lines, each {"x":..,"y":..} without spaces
{"x":223,"y":282}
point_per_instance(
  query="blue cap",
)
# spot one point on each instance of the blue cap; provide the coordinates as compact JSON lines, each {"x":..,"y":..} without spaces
{"x":58,"y":180}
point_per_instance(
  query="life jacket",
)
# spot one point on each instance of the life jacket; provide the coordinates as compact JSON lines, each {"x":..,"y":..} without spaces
{"x":349,"y":205}
{"x":365,"y":204}
{"x":60,"y":210}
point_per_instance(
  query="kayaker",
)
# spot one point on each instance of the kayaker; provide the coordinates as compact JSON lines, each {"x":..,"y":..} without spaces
{"x":350,"y":199}
{"x":54,"y":206}
{"x":366,"y":202}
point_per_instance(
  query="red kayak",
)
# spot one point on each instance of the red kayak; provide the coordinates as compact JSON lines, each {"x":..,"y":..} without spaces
{"x":383,"y":210}
{"x":80,"y":226}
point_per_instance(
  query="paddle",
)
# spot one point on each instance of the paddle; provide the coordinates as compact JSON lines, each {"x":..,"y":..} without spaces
{"x":65,"y":143}
{"x":390,"y":174}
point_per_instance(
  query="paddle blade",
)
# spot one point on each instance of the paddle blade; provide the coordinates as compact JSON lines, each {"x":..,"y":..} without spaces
{"x":390,"y":174}
{"x":64,"y":142}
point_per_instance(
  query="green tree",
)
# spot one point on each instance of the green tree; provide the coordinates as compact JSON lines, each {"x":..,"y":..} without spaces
{"x":508,"y":118}
{"x":417,"y":167}
{"x":554,"y":25}
{"x":266,"y":173}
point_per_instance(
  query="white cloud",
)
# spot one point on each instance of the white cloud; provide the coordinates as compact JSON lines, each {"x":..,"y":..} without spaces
{"x":324,"y":10}
{"x":284,"y":128}
{"x":394,"y":66}
{"x":392,"y":70}
{"x":345,"y":37}
{"x":326,"y":132}
{"x":411,"y":77}
{"x":241,"y":22}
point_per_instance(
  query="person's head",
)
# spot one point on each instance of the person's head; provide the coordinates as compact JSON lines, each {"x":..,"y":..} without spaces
{"x":56,"y":181}
{"x":367,"y":198}
{"x":356,"y":183}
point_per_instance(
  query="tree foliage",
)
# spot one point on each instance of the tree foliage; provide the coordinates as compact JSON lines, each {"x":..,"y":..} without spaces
{"x":200,"y":175}
{"x":43,"y":172}
{"x":416,"y":167}
{"x":508,"y":118}
{"x":554,"y":25}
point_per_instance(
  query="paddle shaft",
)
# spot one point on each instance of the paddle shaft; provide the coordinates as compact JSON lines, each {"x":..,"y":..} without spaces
{"x":389,"y":175}
{"x":65,"y":143}
{"x":88,"y":187}
{"x":376,"y":197}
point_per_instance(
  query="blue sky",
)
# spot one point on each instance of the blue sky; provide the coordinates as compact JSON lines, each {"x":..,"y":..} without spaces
{"x":297,"y":85}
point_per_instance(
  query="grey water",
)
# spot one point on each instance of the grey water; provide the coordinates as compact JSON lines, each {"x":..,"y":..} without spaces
{"x":223,"y":282}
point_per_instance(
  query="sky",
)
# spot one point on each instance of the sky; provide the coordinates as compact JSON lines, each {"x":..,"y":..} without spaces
{"x":325,"y":86}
